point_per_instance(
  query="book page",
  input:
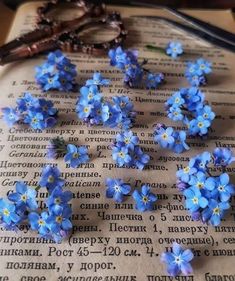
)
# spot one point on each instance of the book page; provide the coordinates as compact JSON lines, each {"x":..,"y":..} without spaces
{"x":6,"y":19}
{"x":115,"y":242}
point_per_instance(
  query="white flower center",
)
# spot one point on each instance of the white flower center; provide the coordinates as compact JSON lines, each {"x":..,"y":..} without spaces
{"x":178,"y":260}
{"x":117,"y":188}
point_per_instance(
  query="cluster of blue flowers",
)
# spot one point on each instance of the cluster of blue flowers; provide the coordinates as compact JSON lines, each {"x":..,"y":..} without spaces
{"x":14,"y":210}
{"x":38,"y":113}
{"x":144,"y":199}
{"x":53,"y":223}
{"x":189,"y":106}
{"x":134,"y":72}
{"x":169,"y":138}
{"x":174,"y":49}
{"x":178,"y":260}
{"x":127,"y":152}
{"x":207,"y":196}
{"x":196,"y":72}
{"x":93,"y":109}
{"x":57,"y":73}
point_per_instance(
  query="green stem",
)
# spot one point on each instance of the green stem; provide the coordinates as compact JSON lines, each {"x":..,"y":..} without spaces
{"x":155,"y":48}
{"x":37,"y":187}
{"x":61,"y":150}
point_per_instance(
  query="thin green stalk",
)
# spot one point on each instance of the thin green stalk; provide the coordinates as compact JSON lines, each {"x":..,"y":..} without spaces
{"x":155,"y":48}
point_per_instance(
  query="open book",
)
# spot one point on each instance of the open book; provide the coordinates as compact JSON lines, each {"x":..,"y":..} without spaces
{"x":114,"y":242}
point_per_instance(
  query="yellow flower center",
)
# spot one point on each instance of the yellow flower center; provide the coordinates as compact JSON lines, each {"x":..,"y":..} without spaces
{"x":165,"y":136}
{"x":41,"y":222}
{"x":34,"y":120}
{"x":57,"y":200}
{"x":200,"y":124}
{"x":186,"y":170}
{"x":121,"y":154}
{"x":6,"y":212}
{"x":86,"y":109}
{"x":24,"y":197}
{"x":75,"y":155}
{"x":216,"y":211}
{"x":145,"y":199}
{"x":127,"y":140}
{"x":195,"y":200}
{"x":200,"y":185}
{"x":50,"y":179}
{"x":59,"y":219}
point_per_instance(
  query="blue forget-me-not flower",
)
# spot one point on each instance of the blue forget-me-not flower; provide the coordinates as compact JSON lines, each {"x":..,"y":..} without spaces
{"x":8,"y":214}
{"x":24,"y":197}
{"x":174,"y":49}
{"x":116,"y":189}
{"x":144,"y":199}
{"x":38,"y":223}
{"x":58,"y":198}
{"x":97,"y":80}
{"x":76,"y":155}
{"x":223,"y":157}
{"x":178,"y":260}
{"x":10,"y":115}
{"x":50,"y":178}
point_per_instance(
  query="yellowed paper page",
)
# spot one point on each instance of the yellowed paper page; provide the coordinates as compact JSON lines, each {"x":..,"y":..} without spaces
{"x":114,"y":242}
{"x":6,"y":18}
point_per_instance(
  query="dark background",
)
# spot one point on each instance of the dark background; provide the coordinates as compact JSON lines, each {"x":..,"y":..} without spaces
{"x":171,"y":3}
